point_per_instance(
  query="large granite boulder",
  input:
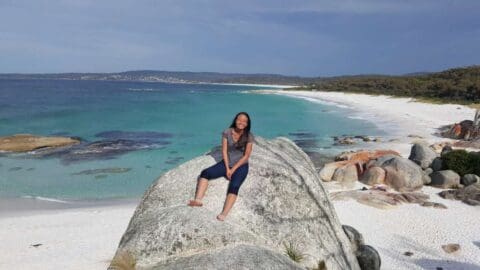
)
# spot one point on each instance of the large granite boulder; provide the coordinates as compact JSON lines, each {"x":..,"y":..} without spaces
{"x":422,"y":154}
{"x":282,"y":201}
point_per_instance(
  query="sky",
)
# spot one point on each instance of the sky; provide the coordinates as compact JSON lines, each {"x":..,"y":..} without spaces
{"x":304,"y":38}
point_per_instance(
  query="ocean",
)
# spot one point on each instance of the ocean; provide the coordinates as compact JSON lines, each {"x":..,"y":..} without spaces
{"x":132,"y":132}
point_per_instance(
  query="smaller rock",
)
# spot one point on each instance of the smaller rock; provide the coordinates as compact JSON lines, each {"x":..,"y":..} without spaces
{"x":368,"y":258}
{"x":427,"y":204}
{"x":445,"y":179}
{"x":408,"y":253}
{"x":469,"y":179}
{"x":433,"y":204}
{"x":356,"y":239}
{"x":422,"y":154}
{"x":439,"y":206}
{"x":437,"y":164}
{"x":450,"y":248}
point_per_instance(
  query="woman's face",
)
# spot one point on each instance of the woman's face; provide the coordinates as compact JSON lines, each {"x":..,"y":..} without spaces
{"x":241,"y":122}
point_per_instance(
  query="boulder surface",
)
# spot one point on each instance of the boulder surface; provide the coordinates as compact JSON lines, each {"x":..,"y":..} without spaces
{"x":282,"y":201}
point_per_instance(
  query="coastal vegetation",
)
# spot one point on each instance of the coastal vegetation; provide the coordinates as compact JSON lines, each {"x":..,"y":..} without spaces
{"x":460,"y":85}
{"x":462,"y":162}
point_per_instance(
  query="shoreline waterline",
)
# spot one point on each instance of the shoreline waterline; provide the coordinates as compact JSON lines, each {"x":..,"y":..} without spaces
{"x":25,"y":206}
{"x":404,"y":119}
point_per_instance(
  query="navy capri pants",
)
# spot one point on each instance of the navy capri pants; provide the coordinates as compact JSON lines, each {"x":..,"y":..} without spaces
{"x":219,"y":170}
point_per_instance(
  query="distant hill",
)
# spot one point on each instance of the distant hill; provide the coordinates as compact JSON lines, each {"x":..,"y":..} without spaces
{"x":457,"y":84}
{"x":169,"y":76}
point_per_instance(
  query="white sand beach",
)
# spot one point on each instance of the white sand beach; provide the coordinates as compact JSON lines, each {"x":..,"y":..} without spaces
{"x":71,"y":236}
{"x":86,"y":237}
{"x":419,"y":230}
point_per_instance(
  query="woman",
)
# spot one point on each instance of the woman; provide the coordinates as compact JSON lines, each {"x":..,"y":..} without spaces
{"x":237,"y":141}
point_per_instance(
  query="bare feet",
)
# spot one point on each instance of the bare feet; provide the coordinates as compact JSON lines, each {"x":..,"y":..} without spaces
{"x":195,"y":203}
{"x":221,"y":217}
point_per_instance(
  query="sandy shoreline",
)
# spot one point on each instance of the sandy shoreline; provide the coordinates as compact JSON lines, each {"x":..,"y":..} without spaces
{"x":85,"y":235}
{"x":400,"y":117}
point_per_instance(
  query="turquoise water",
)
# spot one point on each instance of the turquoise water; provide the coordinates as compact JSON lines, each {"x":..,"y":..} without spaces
{"x":154,"y":127}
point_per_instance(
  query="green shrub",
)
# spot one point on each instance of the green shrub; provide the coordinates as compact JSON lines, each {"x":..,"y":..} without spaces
{"x":293,"y":252}
{"x":475,"y":160}
{"x":462,"y":162}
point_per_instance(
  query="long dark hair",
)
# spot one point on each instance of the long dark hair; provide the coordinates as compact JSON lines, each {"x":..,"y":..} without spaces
{"x":242,"y":141}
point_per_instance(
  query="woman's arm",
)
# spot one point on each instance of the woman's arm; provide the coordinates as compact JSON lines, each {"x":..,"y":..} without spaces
{"x":224,"y":151}
{"x":244,"y":159}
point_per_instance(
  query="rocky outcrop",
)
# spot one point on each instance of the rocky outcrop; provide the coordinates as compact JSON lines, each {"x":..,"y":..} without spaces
{"x":360,"y":159}
{"x":28,"y":142}
{"x":467,"y":131}
{"x":281,"y":201}
{"x":377,"y":167}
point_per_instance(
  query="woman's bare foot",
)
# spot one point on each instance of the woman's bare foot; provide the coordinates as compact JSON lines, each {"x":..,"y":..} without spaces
{"x":195,"y":203}
{"x":221,"y":217}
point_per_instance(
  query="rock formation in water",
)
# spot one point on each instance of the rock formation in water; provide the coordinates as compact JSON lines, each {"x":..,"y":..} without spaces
{"x":28,"y":142}
{"x":282,"y":203}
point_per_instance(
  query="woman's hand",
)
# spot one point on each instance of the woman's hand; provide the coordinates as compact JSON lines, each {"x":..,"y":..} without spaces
{"x":229,"y":174}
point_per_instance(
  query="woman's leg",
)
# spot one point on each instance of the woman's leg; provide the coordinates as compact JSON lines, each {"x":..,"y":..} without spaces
{"x":215,"y":171}
{"x":237,"y":179}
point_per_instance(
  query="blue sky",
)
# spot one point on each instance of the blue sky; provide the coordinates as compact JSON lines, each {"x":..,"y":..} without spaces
{"x":307,"y":38}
